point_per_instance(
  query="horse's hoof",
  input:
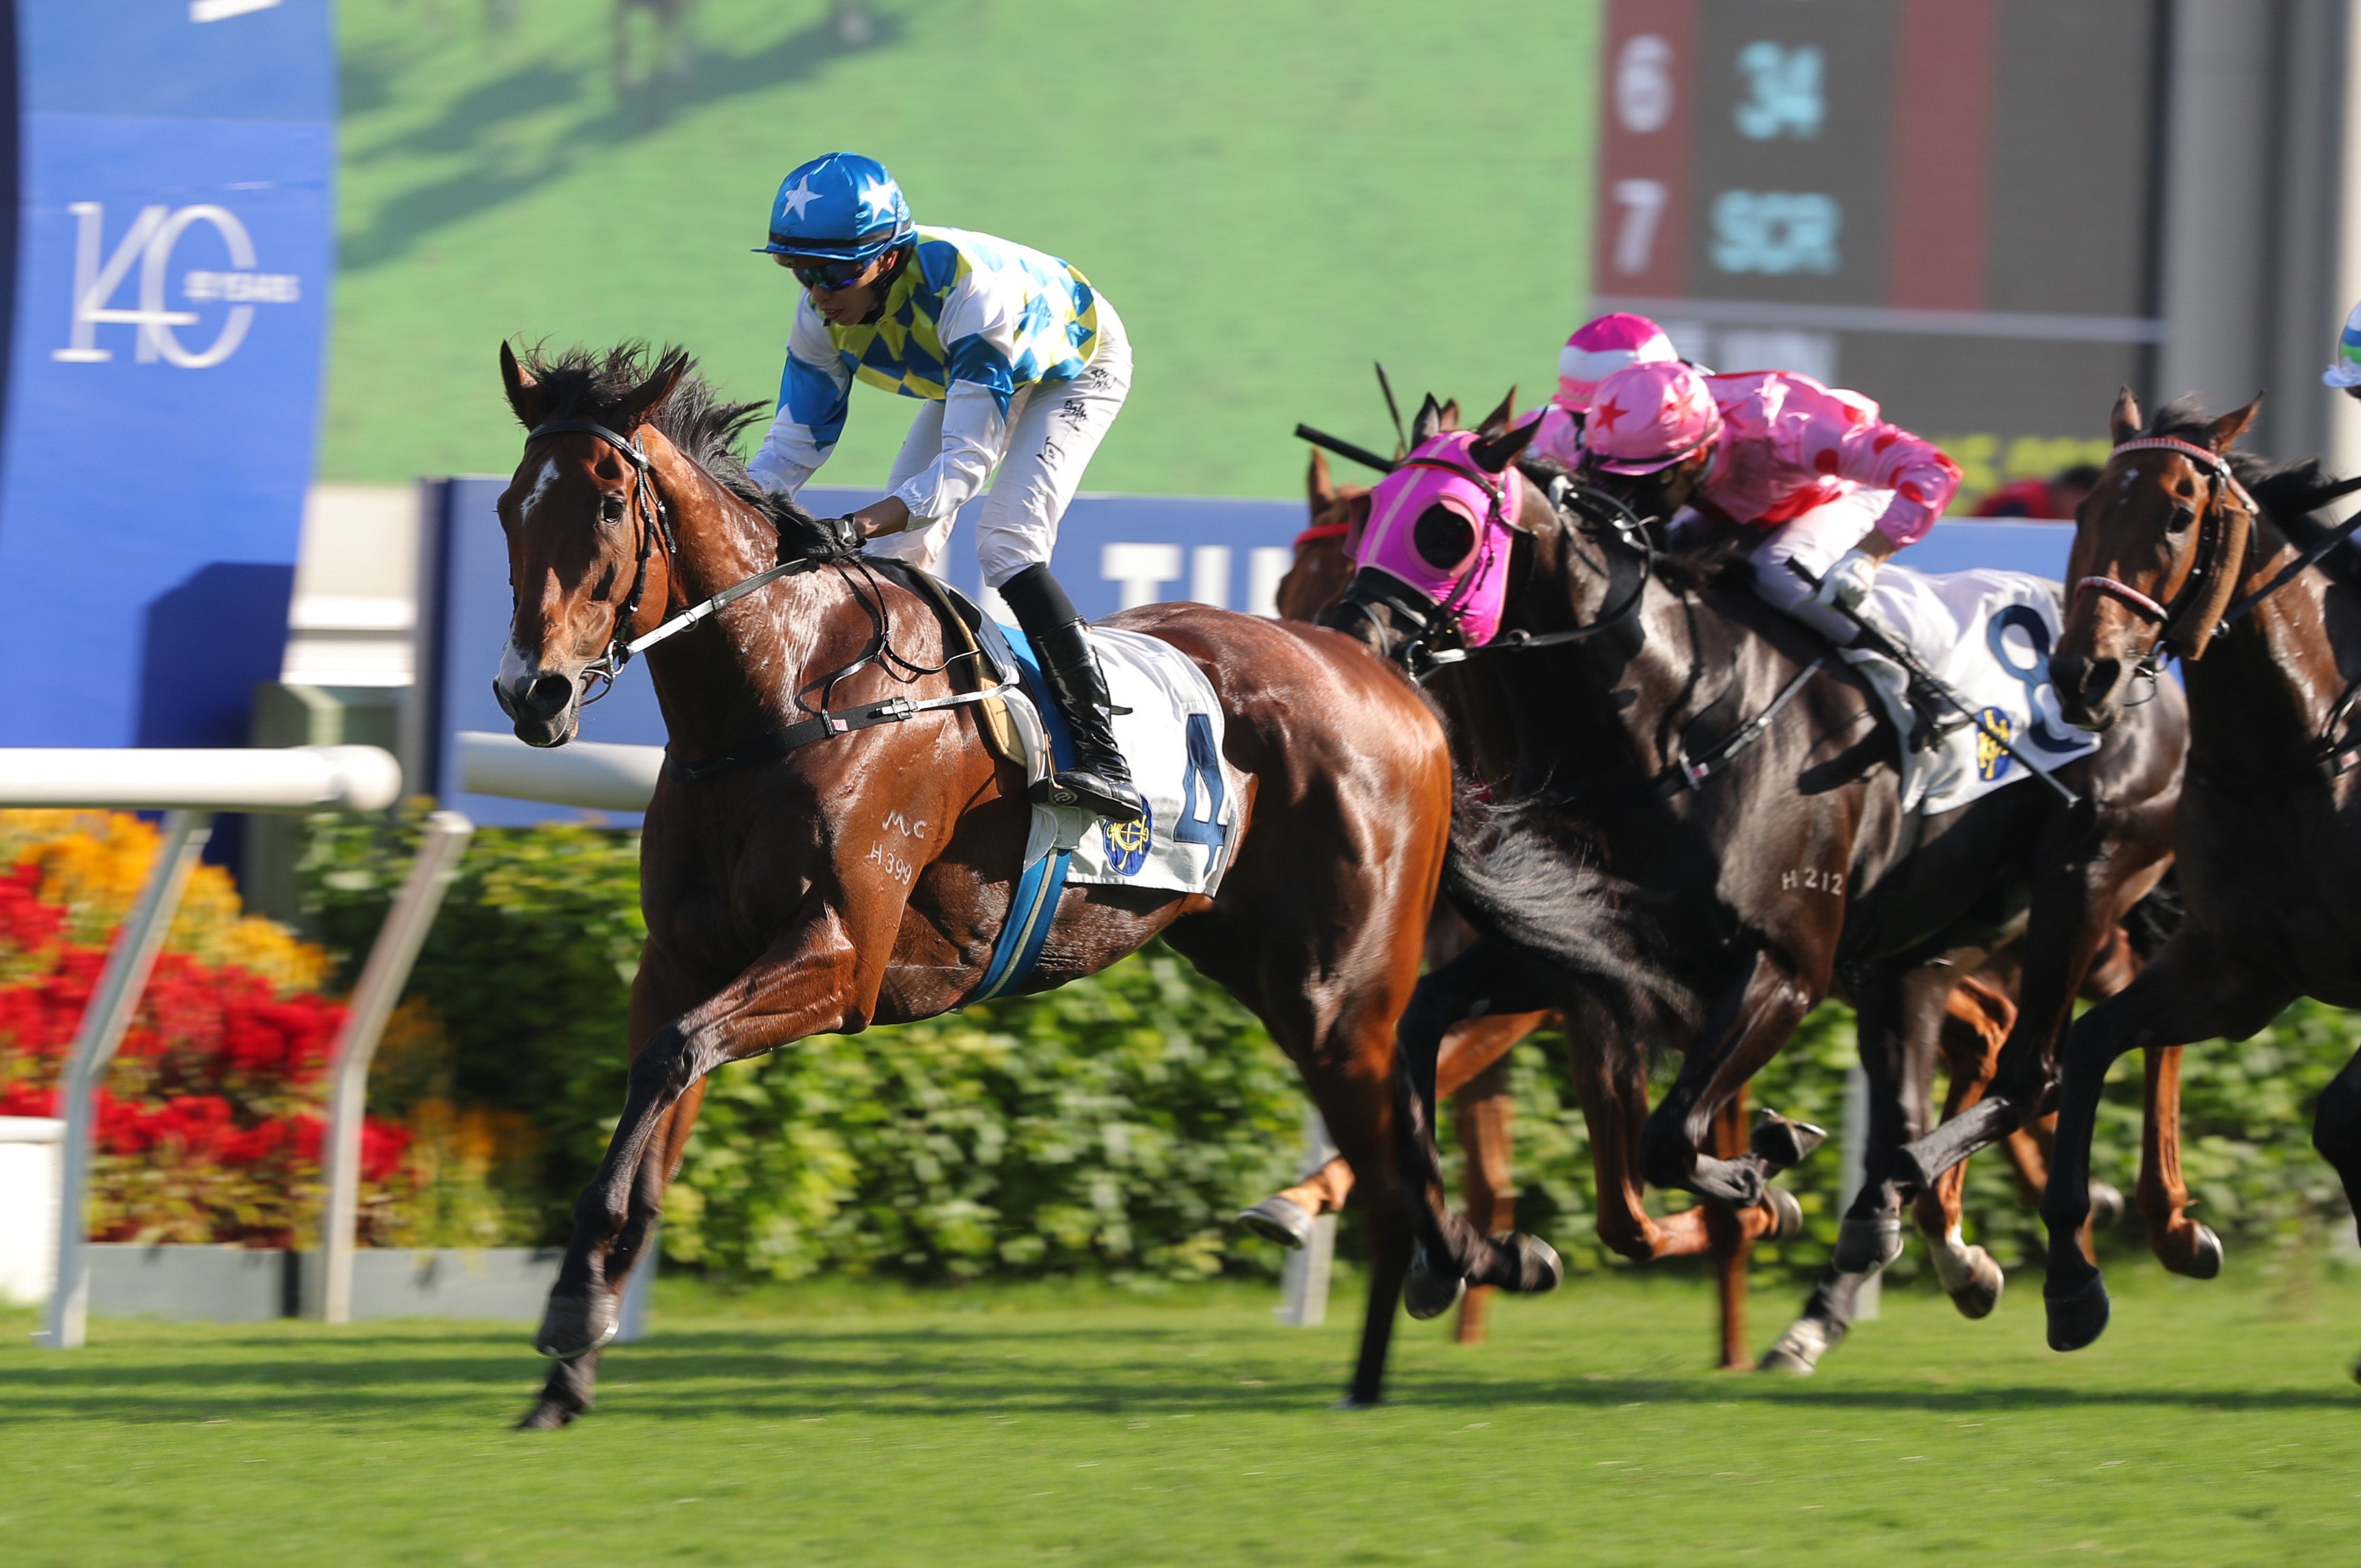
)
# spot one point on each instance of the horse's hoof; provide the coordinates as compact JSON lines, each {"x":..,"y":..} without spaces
{"x":1429,"y":1292}
{"x":1355,"y":1402}
{"x":2107,"y":1205}
{"x":1980,"y":1292}
{"x":1798,"y":1351}
{"x":547,"y":1416}
{"x":1786,"y":1214}
{"x":1540,"y":1271}
{"x":1783,"y":1141}
{"x":577,"y":1325}
{"x":1864,"y":1246}
{"x":2205,"y":1257}
{"x":2078,"y":1317}
{"x":1279,"y":1218}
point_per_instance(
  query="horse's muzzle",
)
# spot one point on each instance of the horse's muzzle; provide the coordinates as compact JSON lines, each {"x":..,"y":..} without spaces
{"x":542,"y":706}
{"x":2089,"y":689}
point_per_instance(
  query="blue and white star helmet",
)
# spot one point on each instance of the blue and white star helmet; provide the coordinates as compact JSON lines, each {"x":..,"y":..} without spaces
{"x":2346,"y":372}
{"x":841,"y":207}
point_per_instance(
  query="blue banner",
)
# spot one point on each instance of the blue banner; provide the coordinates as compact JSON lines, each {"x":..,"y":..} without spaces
{"x":1112,"y":551}
{"x":175,"y":248}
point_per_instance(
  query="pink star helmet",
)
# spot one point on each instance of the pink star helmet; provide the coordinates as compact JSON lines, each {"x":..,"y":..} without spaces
{"x":1650,"y":416}
{"x":1599,"y":348}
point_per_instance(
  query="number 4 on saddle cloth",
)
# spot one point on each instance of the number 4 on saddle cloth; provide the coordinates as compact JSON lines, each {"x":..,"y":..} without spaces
{"x":1172,"y":740}
{"x":1986,"y":634}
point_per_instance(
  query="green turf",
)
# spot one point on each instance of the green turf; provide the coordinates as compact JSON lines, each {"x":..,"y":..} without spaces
{"x":2214,"y":1425}
{"x":1273,"y":195}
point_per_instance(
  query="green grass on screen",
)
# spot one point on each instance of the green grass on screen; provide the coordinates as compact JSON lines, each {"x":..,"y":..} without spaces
{"x":845,"y":1424}
{"x":1272,"y":195}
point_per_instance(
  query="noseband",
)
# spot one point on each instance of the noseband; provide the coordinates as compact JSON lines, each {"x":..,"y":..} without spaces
{"x":2198,"y":589}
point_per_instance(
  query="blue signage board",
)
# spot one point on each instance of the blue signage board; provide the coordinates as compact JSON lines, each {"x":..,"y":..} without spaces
{"x":1113,"y":551}
{"x":173,"y":253}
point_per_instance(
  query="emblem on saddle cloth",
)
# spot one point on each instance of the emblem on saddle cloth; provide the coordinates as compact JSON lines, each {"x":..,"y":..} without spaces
{"x":1987,"y":635}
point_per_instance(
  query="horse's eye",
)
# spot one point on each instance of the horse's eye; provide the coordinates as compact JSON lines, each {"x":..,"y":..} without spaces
{"x":610,"y":509}
{"x":2182,"y":516}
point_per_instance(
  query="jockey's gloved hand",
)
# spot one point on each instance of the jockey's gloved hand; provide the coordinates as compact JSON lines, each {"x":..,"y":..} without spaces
{"x":833,"y":538}
{"x":1848,"y":582}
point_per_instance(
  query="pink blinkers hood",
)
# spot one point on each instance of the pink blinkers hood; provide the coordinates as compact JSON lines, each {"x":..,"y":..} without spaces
{"x":1474,"y":587}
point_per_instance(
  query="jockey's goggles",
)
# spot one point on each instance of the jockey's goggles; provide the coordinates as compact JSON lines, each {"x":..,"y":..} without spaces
{"x":814,"y":273}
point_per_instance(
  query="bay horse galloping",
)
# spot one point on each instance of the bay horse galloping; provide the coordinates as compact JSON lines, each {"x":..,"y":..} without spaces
{"x":2188,"y":548}
{"x":832,"y":845}
{"x":1705,"y":798}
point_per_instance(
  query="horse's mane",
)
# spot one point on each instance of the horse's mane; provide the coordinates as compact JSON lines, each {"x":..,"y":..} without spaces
{"x":585,"y":383}
{"x":1718,"y":561}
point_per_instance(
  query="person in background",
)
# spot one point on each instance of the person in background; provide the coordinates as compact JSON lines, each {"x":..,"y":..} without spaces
{"x":2345,"y":373}
{"x":1020,"y":366}
{"x":2058,"y":497}
{"x":1598,"y":349}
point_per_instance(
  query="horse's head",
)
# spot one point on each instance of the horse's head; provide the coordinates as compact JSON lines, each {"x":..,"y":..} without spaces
{"x":589,"y":555}
{"x":2160,"y":544}
{"x":1434,"y":558}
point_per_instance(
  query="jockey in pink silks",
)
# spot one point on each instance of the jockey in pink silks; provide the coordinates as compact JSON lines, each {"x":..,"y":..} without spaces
{"x":1830,"y":485}
{"x":1596,"y":350}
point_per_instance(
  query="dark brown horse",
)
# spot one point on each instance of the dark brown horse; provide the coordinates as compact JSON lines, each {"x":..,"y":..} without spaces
{"x":1471,"y":1063}
{"x":2186,"y":548}
{"x":1690,"y":859}
{"x":862,"y":878}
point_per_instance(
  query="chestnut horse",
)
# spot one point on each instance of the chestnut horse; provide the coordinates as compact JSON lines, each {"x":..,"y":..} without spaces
{"x":2186,"y":548}
{"x":832,"y":846}
{"x":1707,"y":820}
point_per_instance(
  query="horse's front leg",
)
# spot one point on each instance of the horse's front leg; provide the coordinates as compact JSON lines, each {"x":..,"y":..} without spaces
{"x":1744,"y":1031}
{"x":808,"y":983}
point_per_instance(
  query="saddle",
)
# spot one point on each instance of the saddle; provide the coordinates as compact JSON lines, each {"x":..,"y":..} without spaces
{"x":979,"y":654}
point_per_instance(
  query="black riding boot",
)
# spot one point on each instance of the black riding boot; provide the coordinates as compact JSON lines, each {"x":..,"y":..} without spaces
{"x":1098,"y":781}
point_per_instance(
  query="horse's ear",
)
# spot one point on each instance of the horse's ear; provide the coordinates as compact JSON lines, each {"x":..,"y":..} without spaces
{"x":2125,"y":423}
{"x":2224,"y":433}
{"x":1429,"y":423}
{"x":1451,"y":415}
{"x":1318,"y":483}
{"x":1494,"y":453}
{"x":1498,"y":420}
{"x":652,"y":392}
{"x":525,"y":399}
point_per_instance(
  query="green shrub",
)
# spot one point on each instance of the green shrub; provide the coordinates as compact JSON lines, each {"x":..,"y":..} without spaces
{"x":1115,"y":1124}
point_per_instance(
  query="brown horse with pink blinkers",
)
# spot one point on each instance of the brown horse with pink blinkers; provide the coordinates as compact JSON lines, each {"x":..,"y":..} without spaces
{"x":2186,"y":548}
{"x":832,"y":846}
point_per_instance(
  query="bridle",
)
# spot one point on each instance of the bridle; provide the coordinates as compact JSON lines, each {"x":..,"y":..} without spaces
{"x":655,"y":520}
{"x":2199,"y":610}
{"x":1598,"y":515}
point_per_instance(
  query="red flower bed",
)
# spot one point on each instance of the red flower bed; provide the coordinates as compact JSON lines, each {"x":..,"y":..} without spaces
{"x":210,"y":1124}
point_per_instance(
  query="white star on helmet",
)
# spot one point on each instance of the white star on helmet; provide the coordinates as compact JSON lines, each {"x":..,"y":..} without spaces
{"x":796,"y":200}
{"x":875,"y":201}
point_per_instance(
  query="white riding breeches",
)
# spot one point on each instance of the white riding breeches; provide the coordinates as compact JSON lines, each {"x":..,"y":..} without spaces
{"x":1054,"y":427}
{"x":1816,"y":540}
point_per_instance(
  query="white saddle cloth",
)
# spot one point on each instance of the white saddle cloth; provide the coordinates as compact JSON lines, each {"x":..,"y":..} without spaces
{"x":1172,"y":740}
{"x":1988,"y":635}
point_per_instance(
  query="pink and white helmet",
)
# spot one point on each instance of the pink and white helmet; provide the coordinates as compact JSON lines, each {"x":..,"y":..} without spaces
{"x":1650,"y":416}
{"x":1599,"y":348}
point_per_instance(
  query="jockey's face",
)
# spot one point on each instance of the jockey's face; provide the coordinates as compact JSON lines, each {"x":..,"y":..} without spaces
{"x":857,"y":301}
{"x":1663,"y":492}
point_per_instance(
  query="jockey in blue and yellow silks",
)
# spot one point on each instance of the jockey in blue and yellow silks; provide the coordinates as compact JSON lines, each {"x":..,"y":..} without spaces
{"x":1020,"y":366}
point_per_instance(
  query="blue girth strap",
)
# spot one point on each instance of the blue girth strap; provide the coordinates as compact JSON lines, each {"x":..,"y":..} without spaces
{"x":1034,"y":908}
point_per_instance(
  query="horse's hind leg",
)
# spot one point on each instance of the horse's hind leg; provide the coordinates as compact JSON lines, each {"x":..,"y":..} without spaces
{"x":1745,"y":1030}
{"x":2182,"y":1244}
{"x":2336,"y":1134}
{"x":1977,"y":1019}
{"x":1488,"y":1139}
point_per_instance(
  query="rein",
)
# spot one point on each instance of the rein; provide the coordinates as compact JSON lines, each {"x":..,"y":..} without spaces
{"x":655,"y":520}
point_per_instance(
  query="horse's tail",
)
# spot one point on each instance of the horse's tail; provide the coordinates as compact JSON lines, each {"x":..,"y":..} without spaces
{"x":1519,"y":883}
